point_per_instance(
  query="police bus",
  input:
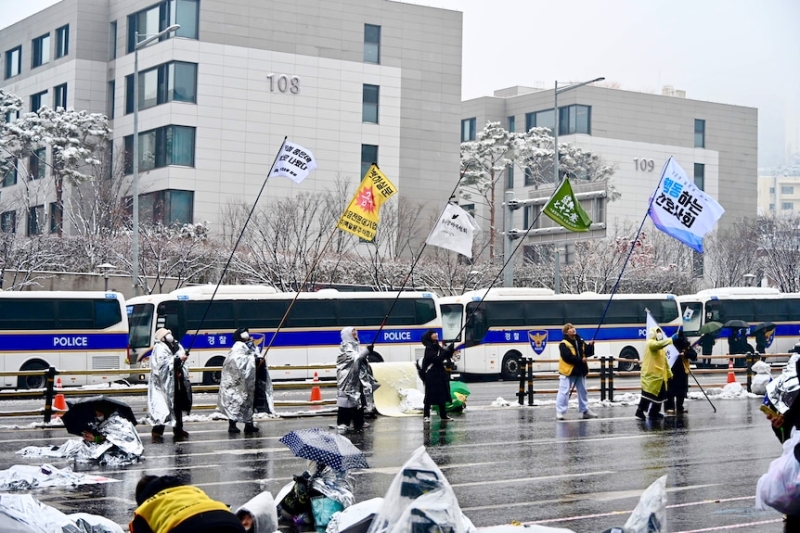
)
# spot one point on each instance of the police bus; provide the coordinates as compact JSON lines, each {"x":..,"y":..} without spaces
{"x":69,"y":330}
{"x":309,"y":336}
{"x":512,"y":323}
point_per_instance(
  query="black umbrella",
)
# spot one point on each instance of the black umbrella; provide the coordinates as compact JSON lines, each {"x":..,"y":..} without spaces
{"x":711,"y":328}
{"x":330,"y":449}
{"x":736,"y":324}
{"x":81,"y":413}
{"x":764,"y":326}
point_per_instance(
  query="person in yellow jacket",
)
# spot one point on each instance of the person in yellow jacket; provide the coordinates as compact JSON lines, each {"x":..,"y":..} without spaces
{"x":655,"y":374}
{"x":572,"y":369}
{"x":167,"y":505}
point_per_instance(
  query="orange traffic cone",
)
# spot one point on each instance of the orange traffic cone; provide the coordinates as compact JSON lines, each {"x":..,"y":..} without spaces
{"x":316,"y":392}
{"x":59,"y":403}
{"x":731,"y":375}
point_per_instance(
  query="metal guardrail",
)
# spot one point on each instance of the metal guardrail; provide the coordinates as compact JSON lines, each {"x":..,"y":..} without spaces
{"x":50,"y":374}
{"x":607,"y":373}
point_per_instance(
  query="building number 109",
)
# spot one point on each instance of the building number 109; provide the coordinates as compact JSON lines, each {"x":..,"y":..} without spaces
{"x":645,"y":165}
{"x":284,"y":83}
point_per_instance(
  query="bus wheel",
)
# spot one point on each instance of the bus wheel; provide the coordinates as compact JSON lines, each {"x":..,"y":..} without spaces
{"x":32,"y":382}
{"x":375,"y":357}
{"x":510,"y":369}
{"x":627,"y":366}
{"x":213,"y":378}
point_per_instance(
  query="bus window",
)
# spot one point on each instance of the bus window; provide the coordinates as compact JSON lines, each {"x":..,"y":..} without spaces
{"x":543,"y":313}
{"x":311,"y":313}
{"x":425,"y":310}
{"x":692,"y":317}
{"x":106,"y":313}
{"x":714,"y":312}
{"x":218,"y":315}
{"x":477,"y":324}
{"x":451,"y":322}
{"x":140,"y":322}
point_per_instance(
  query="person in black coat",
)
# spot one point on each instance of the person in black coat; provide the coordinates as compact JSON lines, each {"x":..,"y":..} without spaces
{"x":434,"y":373}
{"x":678,"y":384}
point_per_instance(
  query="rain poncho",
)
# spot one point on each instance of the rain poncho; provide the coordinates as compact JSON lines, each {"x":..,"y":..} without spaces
{"x":353,"y":374}
{"x":782,"y":391}
{"x":161,"y":387}
{"x":237,"y":387}
{"x":121,"y":445}
{"x":655,"y":368}
{"x":24,"y":513}
{"x":262,"y":509}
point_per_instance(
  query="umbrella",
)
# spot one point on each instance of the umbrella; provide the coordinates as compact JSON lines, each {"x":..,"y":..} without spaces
{"x":736,"y":324}
{"x":711,"y":328}
{"x":330,"y":449}
{"x":764,"y":326}
{"x":82,"y":412}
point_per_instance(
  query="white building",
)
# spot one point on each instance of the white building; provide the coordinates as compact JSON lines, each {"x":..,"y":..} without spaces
{"x":354,"y":81}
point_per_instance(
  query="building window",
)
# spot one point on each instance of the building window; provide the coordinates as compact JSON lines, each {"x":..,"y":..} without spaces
{"x":10,"y":177}
{"x":37,"y":164}
{"x":12,"y":116}
{"x":35,"y":220}
{"x":170,"y":82}
{"x":62,"y":41}
{"x":167,"y":207}
{"x":510,"y":177}
{"x":468,"y":131}
{"x":369,"y":155}
{"x":369,"y":105}
{"x":529,"y":179}
{"x":38,"y":101}
{"x":700,"y":176}
{"x":372,"y":44}
{"x":161,"y":147}
{"x":787,"y":206}
{"x":8,"y":222}
{"x":699,"y":133}
{"x":540,"y":119}
{"x":772,"y":190}
{"x":111,"y":101}
{"x":112,"y":40}
{"x":13,"y":62}
{"x":60,"y":96}
{"x":787,"y":189}
{"x":41,"y":51}
{"x":56,"y":222}
{"x":512,"y":124}
{"x":575,"y":119}
{"x":772,"y":207}
{"x":161,"y":16}
{"x":530,"y":216}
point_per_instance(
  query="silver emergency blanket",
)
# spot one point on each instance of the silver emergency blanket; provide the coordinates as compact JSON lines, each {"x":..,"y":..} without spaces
{"x":161,"y":387}
{"x":237,"y":386}
{"x":783,"y":390}
{"x":25,"y":477}
{"x":264,"y":512}
{"x":332,"y":483}
{"x":122,"y":445}
{"x":353,"y":374}
{"x":24,"y":514}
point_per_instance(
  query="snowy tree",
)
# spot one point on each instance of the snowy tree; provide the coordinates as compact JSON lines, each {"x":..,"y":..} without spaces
{"x":732,"y":252}
{"x":779,"y":249}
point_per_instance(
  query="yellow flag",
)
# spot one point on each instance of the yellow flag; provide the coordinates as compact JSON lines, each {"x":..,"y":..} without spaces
{"x":363,"y":214}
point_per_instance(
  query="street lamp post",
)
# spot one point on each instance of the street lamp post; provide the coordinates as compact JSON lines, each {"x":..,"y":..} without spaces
{"x":105,"y":268}
{"x":135,"y":155}
{"x":556,"y":92}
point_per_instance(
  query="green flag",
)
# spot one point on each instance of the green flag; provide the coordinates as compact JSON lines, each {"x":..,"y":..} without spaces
{"x":566,"y":210}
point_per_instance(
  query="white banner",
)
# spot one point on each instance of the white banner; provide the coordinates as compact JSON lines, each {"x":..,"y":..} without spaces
{"x":294,"y":162}
{"x":681,"y":210}
{"x":454,"y":231}
{"x":672,"y":351}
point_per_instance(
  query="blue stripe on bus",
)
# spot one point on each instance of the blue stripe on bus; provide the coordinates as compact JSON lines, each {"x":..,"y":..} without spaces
{"x":34,"y":342}
{"x":510,"y":336}
{"x":289,"y":339}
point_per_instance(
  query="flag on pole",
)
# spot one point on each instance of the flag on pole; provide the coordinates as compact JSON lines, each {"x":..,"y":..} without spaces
{"x":363,"y":214}
{"x":565,"y":209}
{"x":681,"y":210}
{"x":454,"y":231}
{"x":672,"y":351}
{"x":294,"y":162}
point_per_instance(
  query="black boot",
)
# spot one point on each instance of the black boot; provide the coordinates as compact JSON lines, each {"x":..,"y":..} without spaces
{"x":232,"y":427}
{"x":655,"y":412}
{"x":679,"y":402}
{"x":250,"y":428}
{"x":640,"y":410}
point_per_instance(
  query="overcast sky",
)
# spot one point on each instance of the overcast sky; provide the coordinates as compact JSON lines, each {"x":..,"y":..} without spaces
{"x":744,"y":52}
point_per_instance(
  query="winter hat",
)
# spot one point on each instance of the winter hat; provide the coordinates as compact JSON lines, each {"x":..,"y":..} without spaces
{"x":161,"y":333}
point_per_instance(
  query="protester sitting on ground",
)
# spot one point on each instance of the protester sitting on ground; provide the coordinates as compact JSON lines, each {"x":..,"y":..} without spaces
{"x":167,"y":505}
{"x":259,"y":515}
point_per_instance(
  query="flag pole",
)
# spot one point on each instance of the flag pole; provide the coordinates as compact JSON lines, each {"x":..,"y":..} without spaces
{"x":630,"y":252}
{"x":238,"y":240}
{"x":419,"y":256}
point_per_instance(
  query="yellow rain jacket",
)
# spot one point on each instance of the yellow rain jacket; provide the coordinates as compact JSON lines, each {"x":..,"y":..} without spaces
{"x":655,"y":369}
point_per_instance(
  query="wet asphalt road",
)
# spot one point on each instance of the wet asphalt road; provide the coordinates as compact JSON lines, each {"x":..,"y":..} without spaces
{"x":504,"y":463}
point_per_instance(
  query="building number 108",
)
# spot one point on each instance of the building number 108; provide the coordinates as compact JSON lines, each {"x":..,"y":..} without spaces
{"x":284,"y":83}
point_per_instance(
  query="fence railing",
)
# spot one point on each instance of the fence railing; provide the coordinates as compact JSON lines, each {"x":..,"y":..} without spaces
{"x":608,"y":372}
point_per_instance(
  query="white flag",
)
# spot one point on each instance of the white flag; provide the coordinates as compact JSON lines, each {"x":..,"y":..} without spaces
{"x":294,"y":162}
{"x":681,"y":210}
{"x":454,"y":231}
{"x":672,"y":351}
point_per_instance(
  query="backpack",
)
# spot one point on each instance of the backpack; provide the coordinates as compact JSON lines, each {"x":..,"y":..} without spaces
{"x":420,"y":372}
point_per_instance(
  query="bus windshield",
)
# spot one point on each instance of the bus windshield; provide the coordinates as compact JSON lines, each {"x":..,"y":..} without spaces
{"x":140,"y":320}
{"x":451,"y":322}
{"x":692,"y":317}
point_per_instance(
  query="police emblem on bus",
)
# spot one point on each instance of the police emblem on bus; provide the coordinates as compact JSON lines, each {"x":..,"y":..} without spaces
{"x":538,"y":340}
